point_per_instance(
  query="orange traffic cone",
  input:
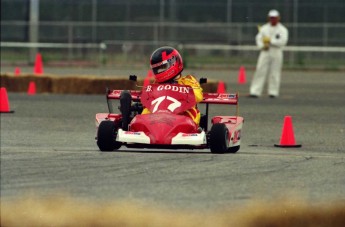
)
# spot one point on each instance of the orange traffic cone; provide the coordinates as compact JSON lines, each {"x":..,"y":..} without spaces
{"x":146,"y":81}
{"x":287,"y":138}
{"x":242,"y":75}
{"x":149,"y":73}
{"x":4,"y":103}
{"x":221,"y":87}
{"x":17,"y":71}
{"x":38,"y":69}
{"x":32,"y":88}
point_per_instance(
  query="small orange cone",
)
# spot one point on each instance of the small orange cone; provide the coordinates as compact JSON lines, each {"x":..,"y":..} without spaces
{"x":146,"y":81}
{"x":32,"y":88}
{"x":221,"y":87}
{"x":242,"y":75}
{"x":287,"y":138}
{"x":4,"y":103}
{"x":38,"y":69}
{"x":149,"y":73}
{"x":17,"y":71}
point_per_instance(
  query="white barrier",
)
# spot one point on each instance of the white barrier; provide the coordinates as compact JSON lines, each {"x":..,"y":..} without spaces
{"x":185,"y":46}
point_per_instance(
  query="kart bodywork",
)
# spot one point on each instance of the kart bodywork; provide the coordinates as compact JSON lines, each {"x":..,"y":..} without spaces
{"x":167,"y":126}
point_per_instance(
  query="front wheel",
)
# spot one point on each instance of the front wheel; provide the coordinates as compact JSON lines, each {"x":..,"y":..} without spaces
{"x":106,"y":136}
{"x":219,"y":138}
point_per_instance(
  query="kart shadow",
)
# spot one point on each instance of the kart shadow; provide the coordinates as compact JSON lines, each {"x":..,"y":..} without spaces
{"x":165,"y":152}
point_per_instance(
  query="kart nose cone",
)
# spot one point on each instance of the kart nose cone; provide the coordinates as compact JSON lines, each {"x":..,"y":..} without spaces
{"x":162,"y":127}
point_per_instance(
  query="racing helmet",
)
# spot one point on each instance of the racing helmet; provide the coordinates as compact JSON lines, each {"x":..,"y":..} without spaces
{"x":166,"y":63}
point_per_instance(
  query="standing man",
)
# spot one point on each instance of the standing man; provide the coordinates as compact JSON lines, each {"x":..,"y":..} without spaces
{"x":271,"y":39}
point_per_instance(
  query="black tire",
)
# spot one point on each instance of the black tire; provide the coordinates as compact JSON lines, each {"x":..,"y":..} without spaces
{"x":203,"y":121}
{"x":106,"y":136}
{"x":219,"y":138}
{"x":233,"y":149}
{"x":125,"y":108}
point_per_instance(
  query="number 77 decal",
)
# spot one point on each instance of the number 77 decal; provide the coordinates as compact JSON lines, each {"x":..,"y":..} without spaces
{"x":175,"y":103}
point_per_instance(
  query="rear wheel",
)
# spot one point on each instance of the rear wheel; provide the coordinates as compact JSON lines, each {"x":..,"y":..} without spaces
{"x":218,"y":139}
{"x":125,"y":108}
{"x":106,"y":136}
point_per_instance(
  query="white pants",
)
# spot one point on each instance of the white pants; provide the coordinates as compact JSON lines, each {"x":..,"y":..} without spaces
{"x":269,"y":64}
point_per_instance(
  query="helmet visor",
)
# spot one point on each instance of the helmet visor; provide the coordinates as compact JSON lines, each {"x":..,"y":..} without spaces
{"x":163,"y":66}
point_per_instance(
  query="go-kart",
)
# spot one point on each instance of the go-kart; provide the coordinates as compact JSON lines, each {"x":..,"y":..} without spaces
{"x":167,"y":126}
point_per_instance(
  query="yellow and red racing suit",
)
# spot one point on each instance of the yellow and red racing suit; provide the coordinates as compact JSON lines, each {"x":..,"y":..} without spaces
{"x":193,"y":112}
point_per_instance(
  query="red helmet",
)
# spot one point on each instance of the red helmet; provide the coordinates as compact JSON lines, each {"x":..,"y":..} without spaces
{"x":166,"y":63}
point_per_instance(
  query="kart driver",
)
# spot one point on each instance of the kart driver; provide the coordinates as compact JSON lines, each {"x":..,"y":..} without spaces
{"x":167,"y":65}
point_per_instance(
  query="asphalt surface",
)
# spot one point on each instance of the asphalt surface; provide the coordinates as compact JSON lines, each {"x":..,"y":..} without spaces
{"x":48,"y":148}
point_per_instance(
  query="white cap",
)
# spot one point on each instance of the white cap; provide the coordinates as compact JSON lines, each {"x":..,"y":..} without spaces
{"x":273,"y":13}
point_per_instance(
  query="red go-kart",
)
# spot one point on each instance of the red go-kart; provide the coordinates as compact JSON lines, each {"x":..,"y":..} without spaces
{"x":167,"y":126}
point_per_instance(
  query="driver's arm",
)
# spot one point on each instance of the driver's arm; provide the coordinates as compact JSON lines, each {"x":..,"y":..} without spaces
{"x":191,"y":81}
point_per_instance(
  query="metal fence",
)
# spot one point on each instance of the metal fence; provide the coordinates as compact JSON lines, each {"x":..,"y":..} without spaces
{"x":134,"y":28}
{"x":134,"y":41}
{"x":303,"y":34}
